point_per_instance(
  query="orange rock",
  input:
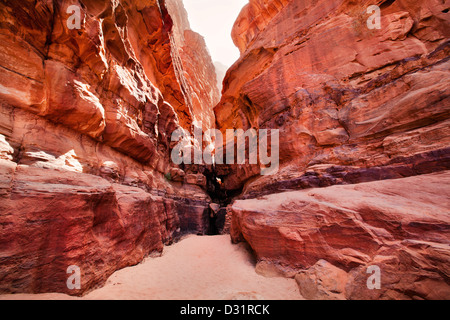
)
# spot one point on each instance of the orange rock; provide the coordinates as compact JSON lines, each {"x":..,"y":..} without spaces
{"x":86,"y":118}
{"x":198,"y":70}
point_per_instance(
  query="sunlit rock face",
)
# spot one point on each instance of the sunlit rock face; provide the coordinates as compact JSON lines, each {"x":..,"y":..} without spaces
{"x":341,"y":94}
{"x":197,"y":68}
{"x":353,"y":105}
{"x":86,"y":116}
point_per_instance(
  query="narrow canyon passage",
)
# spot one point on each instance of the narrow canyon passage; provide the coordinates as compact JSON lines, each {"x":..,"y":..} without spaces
{"x":97,"y":97}
{"x":198,"y":268}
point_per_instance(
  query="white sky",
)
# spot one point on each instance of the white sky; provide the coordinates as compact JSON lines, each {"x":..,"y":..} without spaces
{"x":214,"y":19}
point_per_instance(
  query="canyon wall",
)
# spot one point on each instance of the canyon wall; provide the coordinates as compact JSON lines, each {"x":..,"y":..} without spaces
{"x":363,"y":115}
{"x":86,"y":116}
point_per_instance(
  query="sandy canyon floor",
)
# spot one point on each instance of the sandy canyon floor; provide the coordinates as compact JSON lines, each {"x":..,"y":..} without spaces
{"x":196,"y":268}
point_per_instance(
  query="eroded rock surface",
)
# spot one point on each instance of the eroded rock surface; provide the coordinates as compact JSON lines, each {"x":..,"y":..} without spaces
{"x":328,"y":237}
{"x":363,"y":116}
{"x":340,"y":93}
{"x":86,"y":117}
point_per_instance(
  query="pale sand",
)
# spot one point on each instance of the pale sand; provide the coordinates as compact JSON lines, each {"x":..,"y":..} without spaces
{"x":196,"y":268}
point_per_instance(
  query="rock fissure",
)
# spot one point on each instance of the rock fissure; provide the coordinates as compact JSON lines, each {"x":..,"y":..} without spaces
{"x":87,"y":117}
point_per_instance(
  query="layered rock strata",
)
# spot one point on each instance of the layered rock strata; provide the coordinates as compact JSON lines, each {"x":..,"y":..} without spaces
{"x":401,"y":226}
{"x":86,"y":116}
{"x":363,"y":119}
{"x":341,"y":94}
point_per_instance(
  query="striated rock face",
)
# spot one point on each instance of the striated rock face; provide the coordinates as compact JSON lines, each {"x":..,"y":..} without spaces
{"x":86,"y":117}
{"x":368,"y":109}
{"x":85,"y":122}
{"x":54,"y":219}
{"x":340,"y":94}
{"x":198,"y":68}
{"x":328,"y":237}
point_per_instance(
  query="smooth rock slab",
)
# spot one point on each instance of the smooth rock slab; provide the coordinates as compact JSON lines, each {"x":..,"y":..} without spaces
{"x":401,"y":225}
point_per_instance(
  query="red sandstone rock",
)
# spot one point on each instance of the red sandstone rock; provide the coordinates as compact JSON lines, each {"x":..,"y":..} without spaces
{"x":337,"y":91}
{"x":86,"y":118}
{"x":176,"y":174}
{"x":352,"y":105}
{"x":198,"y":71}
{"x":54,"y":219}
{"x":323,"y":281}
{"x":197,"y":179}
{"x":107,"y":76}
{"x":400,"y":225}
